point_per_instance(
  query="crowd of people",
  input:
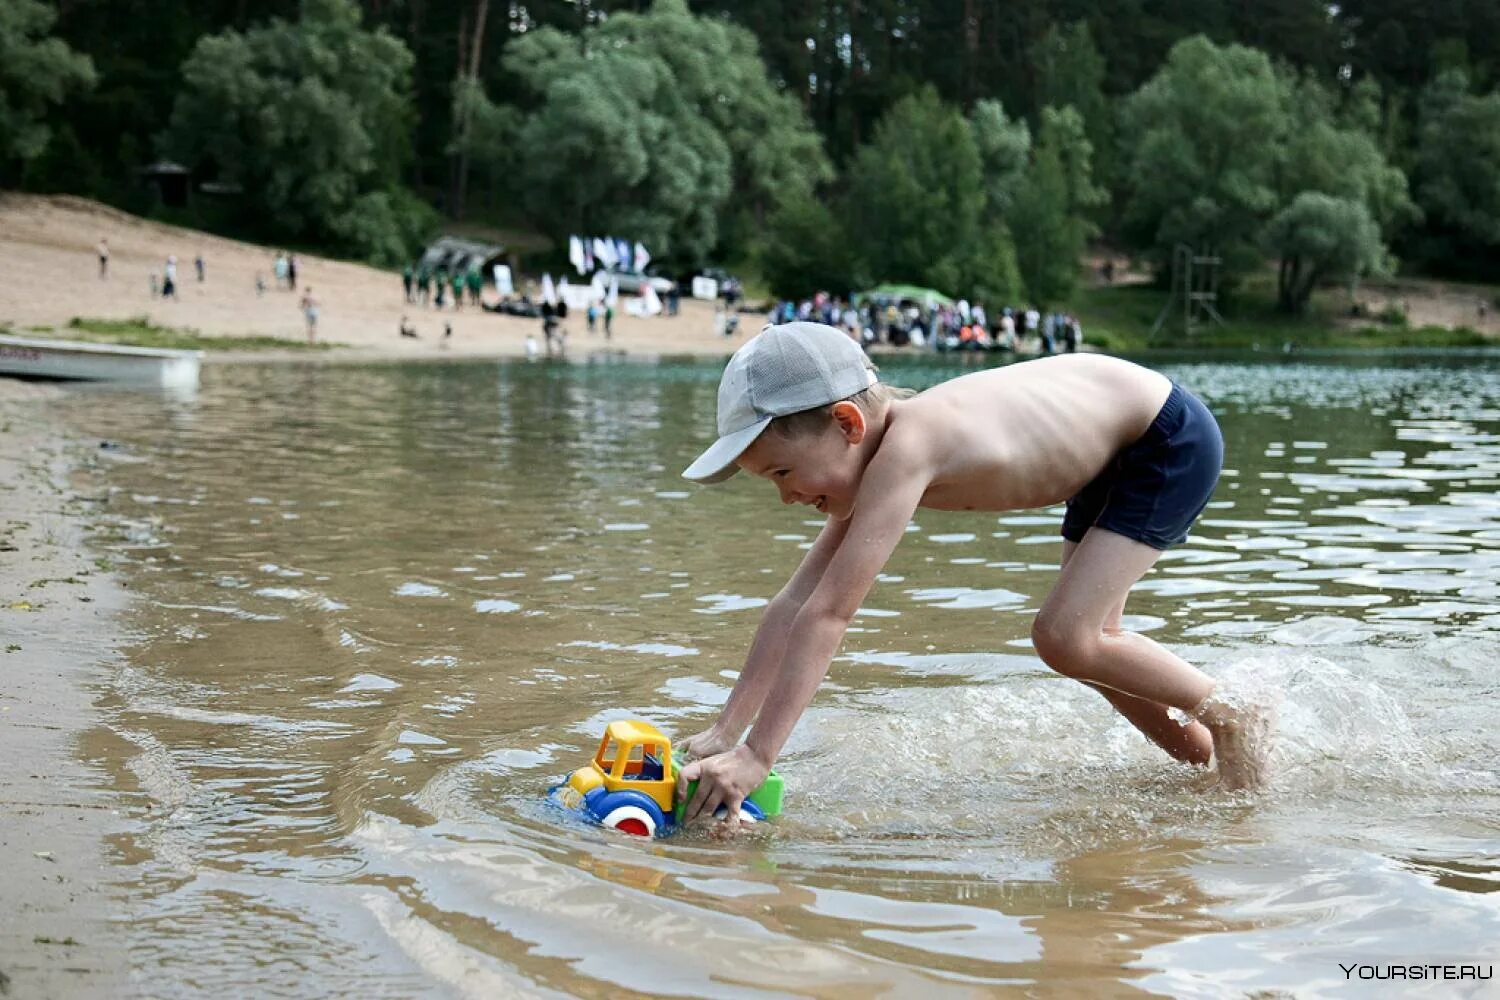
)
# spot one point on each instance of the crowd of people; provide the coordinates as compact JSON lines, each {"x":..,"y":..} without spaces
{"x":962,"y":326}
{"x":422,"y":285}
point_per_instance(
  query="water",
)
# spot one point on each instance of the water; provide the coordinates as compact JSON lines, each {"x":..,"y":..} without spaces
{"x":381,"y":609}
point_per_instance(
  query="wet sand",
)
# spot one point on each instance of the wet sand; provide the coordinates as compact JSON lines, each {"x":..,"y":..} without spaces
{"x":47,"y":252}
{"x":58,"y":633}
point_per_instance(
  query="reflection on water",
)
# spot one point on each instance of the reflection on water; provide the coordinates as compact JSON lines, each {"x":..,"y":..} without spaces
{"x":382,"y":608}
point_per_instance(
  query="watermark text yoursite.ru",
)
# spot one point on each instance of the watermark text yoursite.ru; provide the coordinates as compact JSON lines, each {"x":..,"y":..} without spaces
{"x":1416,"y":971}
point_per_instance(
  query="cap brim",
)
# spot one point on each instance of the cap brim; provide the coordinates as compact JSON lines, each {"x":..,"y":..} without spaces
{"x":717,"y":463}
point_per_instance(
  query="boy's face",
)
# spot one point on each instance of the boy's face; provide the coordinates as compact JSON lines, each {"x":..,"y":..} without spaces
{"x":821,"y":470}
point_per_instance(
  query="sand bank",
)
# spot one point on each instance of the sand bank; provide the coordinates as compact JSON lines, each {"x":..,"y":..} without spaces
{"x":52,"y":275}
{"x":58,"y":637}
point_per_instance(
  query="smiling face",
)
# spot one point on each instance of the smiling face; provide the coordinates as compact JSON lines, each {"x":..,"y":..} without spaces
{"x":821,"y":469}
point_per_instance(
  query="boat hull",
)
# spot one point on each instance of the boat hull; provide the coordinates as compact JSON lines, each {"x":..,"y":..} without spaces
{"x":30,"y":357}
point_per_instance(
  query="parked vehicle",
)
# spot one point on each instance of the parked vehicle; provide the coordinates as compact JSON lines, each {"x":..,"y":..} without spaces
{"x":631,"y":282}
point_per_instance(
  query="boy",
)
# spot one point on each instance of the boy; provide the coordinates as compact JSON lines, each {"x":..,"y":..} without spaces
{"x":1134,"y":456}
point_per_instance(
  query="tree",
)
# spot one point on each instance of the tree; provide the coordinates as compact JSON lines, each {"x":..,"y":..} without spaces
{"x":646,"y":124}
{"x":36,"y":73}
{"x":1458,"y":162}
{"x":1201,"y":163}
{"x":1004,"y":149}
{"x":1319,"y":237}
{"x":1333,"y":150}
{"x":915,"y":200}
{"x":806,"y":251}
{"x":311,"y":120}
{"x":1052,"y":215}
{"x":1070,"y":72}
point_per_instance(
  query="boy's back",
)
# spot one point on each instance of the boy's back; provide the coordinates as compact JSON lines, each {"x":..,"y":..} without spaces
{"x":1025,"y":435}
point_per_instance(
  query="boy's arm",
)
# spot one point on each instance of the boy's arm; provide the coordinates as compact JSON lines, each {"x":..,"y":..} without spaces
{"x":763,"y":661}
{"x":888,"y":496}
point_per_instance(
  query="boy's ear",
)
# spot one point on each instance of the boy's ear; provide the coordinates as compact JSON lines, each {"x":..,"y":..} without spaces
{"x":850,"y":420}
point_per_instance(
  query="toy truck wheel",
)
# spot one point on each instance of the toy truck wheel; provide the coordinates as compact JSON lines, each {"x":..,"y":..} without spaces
{"x":630,"y":819}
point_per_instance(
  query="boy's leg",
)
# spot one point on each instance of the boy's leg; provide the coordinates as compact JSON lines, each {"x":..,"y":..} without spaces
{"x":1070,"y":636}
{"x":1078,"y":633}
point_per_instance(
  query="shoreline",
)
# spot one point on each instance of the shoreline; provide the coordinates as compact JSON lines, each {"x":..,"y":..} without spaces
{"x":61,"y":930}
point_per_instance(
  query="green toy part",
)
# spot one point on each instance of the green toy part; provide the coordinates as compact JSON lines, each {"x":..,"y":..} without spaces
{"x":768,"y":797}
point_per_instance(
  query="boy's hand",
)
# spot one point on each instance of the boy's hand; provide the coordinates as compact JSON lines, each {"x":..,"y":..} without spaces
{"x":709,"y":743}
{"x":723,"y":780}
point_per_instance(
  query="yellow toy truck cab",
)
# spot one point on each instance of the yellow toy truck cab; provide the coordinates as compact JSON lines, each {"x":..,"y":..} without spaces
{"x":632,"y":755}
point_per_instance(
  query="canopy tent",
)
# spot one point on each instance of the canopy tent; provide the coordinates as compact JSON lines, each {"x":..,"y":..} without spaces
{"x":457,"y":255}
{"x":927,"y":297}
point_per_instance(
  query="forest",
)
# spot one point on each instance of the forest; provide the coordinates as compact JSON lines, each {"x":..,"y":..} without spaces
{"x":976,"y":146}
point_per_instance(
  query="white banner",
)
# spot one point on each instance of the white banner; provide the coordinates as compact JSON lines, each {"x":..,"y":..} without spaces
{"x":705,"y":288}
{"x":577,"y":296}
{"x":502,"y":280}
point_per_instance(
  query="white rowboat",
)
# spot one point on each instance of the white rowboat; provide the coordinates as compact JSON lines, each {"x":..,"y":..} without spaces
{"x":33,"y":357}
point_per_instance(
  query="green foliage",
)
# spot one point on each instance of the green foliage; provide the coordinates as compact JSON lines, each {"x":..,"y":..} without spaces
{"x":915,"y":201}
{"x":1229,"y":154}
{"x":647,"y":125}
{"x":1070,"y":73}
{"x":1334,"y":151}
{"x":1004,"y":146}
{"x":1458,"y":160}
{"x":1202,"y":139}
{"x":36,"y":74}
{"x":1319,"y":237}
{"x":311,"y":119}
{"x":1051,"y":218}
{"x":805,"y":250}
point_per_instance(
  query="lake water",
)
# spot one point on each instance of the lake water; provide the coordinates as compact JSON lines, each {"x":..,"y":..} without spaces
{"x":380,"y":609}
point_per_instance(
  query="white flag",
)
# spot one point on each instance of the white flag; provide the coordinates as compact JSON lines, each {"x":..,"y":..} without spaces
{"x":575,"y":253}
{"x":642,"y":258}
{"x":604,"y":252}
{"x":549,"y":291}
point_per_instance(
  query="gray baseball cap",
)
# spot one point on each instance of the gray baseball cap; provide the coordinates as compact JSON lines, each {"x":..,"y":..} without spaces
{"x":783,"y":369}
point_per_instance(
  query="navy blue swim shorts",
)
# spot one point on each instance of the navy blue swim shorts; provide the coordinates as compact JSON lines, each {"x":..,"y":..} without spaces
{"x":1155,"y":489}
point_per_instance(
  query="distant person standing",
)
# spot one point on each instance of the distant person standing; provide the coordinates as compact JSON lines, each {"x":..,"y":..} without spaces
{"x":169,"y":278}
{"x":291,"y":271}
{"x":476,"y":285}
{"x":103,"y":251}
{"x":424,"y":284}
{"x":609,"y":320}
{"x":406,"y":281}
{"x":310,"y":315}
{"x":279,"y":269}
{"x":458,"y":289}
{"x":198,"y":265}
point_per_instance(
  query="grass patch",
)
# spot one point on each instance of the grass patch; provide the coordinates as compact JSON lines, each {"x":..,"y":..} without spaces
{"x":1120,"y":317}
{"x":141,"y":332}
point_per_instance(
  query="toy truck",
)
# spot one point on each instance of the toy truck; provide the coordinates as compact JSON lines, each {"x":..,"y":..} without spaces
{"x":631,"y":784}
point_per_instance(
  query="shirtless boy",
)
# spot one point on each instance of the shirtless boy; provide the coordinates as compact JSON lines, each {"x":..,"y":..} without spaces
{"x":1134,"y":456}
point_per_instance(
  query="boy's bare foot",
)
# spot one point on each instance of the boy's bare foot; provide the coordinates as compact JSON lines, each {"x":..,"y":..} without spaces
{"x":1242,"y":731}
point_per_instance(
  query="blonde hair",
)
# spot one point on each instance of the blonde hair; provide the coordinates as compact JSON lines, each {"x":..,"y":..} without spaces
{"x":806,"y":422}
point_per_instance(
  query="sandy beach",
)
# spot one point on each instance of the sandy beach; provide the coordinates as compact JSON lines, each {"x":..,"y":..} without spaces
{"x":58,"y":935}
{"x":47,"y":253}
